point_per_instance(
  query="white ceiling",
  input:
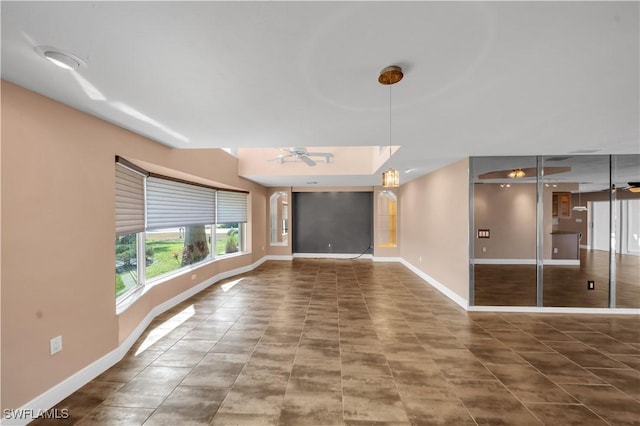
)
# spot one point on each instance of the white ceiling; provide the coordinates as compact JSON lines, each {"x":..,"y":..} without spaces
{"x":495,"y":78}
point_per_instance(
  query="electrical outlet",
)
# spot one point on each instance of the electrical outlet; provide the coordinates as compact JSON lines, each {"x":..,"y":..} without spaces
{"x":555,"y":250}
{"x":591,"y":285}
{"x":55,"y":345}
{"x":484,"y":249}
{"x":420,"y":259}
{"x":194,"y":276}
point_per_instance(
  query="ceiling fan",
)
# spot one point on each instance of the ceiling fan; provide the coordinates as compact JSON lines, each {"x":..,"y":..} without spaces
{"x":632,"y":187}
{"x":296,"y":154}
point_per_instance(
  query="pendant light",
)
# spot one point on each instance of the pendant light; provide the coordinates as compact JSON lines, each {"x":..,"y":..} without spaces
{"x":517,"y":174}
{"x":579,"y":207}
{"x":388,"y":76}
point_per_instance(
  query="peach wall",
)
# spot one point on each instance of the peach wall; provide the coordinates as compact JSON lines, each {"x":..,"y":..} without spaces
{"x":434,"y":211}
{"x":57,"y":183}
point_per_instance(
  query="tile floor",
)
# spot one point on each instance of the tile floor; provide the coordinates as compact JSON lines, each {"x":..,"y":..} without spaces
{"x":323,"y":342}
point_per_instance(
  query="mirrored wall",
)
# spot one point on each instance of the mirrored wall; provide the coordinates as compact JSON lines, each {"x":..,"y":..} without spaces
{"x":559,"y":231}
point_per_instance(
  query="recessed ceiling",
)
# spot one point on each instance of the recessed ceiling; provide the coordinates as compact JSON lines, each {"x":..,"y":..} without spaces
{"x":481,"y":78}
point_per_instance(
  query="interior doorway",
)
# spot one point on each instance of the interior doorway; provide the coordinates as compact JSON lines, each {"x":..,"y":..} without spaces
{"x":599,"y":236}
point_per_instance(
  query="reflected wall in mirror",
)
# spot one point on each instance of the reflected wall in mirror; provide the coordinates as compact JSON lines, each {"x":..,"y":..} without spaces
{"x":625,"y":176}
{"x":279,"y":219}
{"x":570,"y":260}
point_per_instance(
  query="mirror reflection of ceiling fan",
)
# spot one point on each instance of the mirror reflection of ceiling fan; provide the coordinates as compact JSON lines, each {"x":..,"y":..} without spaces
{"x":631,"y":187}
{"x":296,"y":154}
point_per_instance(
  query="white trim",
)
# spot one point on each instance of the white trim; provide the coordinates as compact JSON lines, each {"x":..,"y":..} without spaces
{"x":278,"y":257}
{"x":585,"y":246}
{"x":477,"y":261}
{"x":331,"y":256}
{"x":387,"y":259}
{"x":60,"y":391}
{"x":566,"y":262}
{"x":554,"y":310}
{"x":48,"y":399}
{"x":464,"y":303}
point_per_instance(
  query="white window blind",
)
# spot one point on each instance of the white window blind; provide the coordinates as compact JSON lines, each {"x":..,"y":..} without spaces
{"x":172,"y":204}
{"x":232,"y":207}
{"x":129,"y":201}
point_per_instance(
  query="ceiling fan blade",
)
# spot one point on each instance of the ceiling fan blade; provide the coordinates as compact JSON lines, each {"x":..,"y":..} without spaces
{"x":280,"y":158}
{"x":320,"y":154}
{"x":308,"y":161}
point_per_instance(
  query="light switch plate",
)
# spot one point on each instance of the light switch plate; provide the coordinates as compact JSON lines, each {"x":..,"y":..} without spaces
{"x":55,"y":345}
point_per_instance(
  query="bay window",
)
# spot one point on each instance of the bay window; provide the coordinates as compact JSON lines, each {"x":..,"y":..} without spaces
{"x":164,"y":225}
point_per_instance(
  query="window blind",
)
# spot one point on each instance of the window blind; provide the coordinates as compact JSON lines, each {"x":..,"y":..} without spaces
{"x":232,"y":207}
{"x":172,"y":204}
{"x":129,"y":201}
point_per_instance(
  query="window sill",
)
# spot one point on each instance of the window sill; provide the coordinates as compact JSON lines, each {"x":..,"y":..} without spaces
{"x":123,"y":303}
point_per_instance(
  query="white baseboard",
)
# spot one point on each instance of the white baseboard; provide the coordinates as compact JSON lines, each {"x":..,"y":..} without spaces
{"x":562,"y":262}
{"x":464,"y":303}
{"x":57,"y":393}
{"x":566,"y":262}
{"x":278,"y":257}
{"x":387,"y":259}
{"x":477,"y":261}
{"x":554,"y":310}
{"x":585,"y":246}
{"x":331,"y":256}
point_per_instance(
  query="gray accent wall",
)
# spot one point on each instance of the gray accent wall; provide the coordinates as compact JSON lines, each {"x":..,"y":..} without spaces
{"x":332,"y":222}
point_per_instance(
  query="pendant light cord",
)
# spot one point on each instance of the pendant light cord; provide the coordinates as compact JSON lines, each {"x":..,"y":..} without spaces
{"x":390,"y":125}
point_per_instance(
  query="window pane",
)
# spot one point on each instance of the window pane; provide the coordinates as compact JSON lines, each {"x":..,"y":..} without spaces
{"x":126,"y":263}
{"x":229,"y":238}
{"x":170,"y":249}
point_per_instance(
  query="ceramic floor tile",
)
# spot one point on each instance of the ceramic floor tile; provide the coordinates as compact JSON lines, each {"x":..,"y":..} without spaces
{"x":584,"y":355}
{"x":373,"y":399}
{"x":117,"y":416}
{"x":608,"y":402}
{"x":490,"y":354}
{"x":560,"y":369}
{"x":569,"y":415}
{"x":242,"y":419}
{"x":423,"y":411}
{"x":304,"y":407}
{"x":325,"y":341}
{"x":188,"y":405}
{"x":626,"y":380}
{"x":492,"y":403}
{"x":529,"y":385}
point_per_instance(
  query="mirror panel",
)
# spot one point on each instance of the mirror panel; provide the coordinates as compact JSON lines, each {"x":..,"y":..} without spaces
{"x":504,"y":260}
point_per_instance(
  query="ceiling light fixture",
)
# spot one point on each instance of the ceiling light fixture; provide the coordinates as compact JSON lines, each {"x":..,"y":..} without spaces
{"x":579,"y":207}
{"x":389,"y":76}
{"x":634,"y":186}
{"x":517,"y":174}
{"x":62,"y":59}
